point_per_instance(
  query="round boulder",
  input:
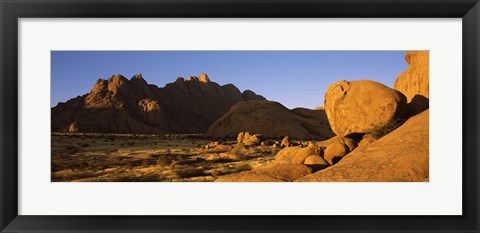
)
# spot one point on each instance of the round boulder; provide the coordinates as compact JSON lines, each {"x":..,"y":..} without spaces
{"x":296,"y":154}
{"x":286,"y":154}
{"x":302,"y":154}
{"x":338,"y":139}
{"x":362,"y":105}
{"x":335,"y":152}
{"x":315,"y":160}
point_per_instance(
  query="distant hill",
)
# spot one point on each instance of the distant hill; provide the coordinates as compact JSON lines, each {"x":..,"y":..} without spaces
{"x":120,"y":105}
{"x":272,"y":120}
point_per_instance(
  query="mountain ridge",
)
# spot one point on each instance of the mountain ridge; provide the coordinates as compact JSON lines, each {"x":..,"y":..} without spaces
{"x":121,"y":105}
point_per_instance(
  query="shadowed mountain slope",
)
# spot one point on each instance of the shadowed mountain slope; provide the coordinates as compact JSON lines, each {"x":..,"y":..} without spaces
{"x":120,"y":105}
{"x":272,"y":120}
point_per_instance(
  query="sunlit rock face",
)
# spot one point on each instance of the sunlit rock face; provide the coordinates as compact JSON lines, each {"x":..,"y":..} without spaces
{"x":361,"y":106}
{"x":414,"y":82}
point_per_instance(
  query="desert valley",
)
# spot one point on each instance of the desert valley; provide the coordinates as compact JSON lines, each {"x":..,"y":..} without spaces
{"x":196,"y":130}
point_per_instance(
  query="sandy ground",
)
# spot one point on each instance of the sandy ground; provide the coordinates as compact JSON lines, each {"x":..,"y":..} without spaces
{"x":150,"y":158}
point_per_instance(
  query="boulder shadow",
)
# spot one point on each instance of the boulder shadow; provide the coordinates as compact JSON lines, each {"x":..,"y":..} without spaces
{"x":418,"y":104}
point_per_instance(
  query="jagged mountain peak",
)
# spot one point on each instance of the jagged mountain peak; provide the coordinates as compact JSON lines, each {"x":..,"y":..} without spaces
{"x":203,"y":78}
{"x":137,"y":76}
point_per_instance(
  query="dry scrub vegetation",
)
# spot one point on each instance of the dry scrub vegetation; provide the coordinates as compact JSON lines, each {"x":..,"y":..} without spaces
{"x":143,"y":158}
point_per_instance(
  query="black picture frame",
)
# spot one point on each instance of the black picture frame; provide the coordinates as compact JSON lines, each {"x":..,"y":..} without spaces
{"x":12,"y":10}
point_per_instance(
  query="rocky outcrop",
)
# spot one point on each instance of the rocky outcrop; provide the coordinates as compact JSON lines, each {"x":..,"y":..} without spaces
{"x":414,"y":82}
{"x":361,"y":106}
{"x":273,"y":172}
{"x":351,"y":144}
{"x":285,"y":142}
{"x":120,"y":105}
{"x":271,"y":120}
{"x":402,"y":155}
{"x":297,"y":154}
{"x":254,"y":140}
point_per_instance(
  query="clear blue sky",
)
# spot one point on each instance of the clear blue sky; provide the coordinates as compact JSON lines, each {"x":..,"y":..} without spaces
{"x":293,"y":78}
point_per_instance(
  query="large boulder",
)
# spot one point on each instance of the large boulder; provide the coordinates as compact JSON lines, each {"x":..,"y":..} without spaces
{"x":335,"y":152}
{"x":316,"y":162}
{"x":304,"y":153}
{"x":361,"y":106}
{"x":414,"y":82}
{"x":287,"y":154}
{"x":402,"y":155}
{"x":272,"y":120}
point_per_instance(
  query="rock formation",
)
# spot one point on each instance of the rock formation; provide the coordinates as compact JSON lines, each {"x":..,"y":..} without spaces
{"x":361,"y":106}
{"x":402,"y":155}
{"x":335,"y":152}
{"x":254,"y":140}
{"x":271,"y":120}
{"x":119,"y":105}
{"x":285,"y":142}
{"x":316,"y":160}
{"x":297,"y":154}
{"x":351,"y":144}
{"x":273,"y":172}
{"x":414,"y":82}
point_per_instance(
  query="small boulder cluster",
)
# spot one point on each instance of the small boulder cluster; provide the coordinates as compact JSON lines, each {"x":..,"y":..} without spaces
{"x":285,"y":142}
{"x":318,"y":155}
{"x":246,"y":145}
{"x":250,"y":140}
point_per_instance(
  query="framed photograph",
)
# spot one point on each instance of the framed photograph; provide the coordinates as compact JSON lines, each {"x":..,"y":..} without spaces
{"x":251,"y":116}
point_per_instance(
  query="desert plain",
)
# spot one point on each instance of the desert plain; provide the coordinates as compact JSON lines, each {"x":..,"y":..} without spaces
{"x":195,"y":130}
